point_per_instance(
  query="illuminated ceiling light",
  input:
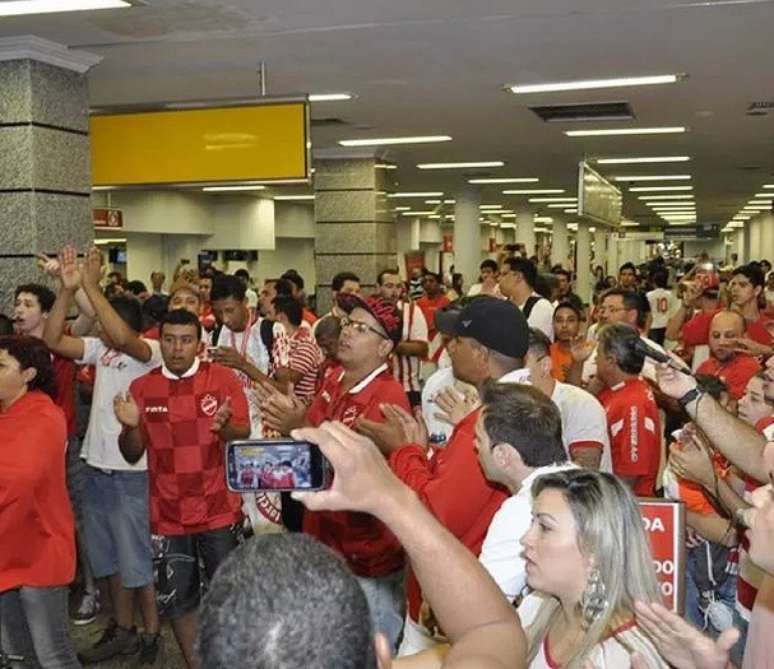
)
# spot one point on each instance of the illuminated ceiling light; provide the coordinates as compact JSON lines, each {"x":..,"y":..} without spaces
{"x":553,"y":199}
{"x":417,"y":194}
{"x":215,"y":189}
{"x":460,"y":166}
{"x":653,"y":177}
{"x":768,"y":186}
{"x":658,"y":189}
{"x":760,"y":203}
{"x":570,"y":211}
{"x":20,"y":7}
{"x":626,"y":223}
{"x":557,"y":205}
{"x":432,"y":201}
{"x":604,"y":132}
{"x":508,"y":215}
{"x":768,"y":196}
{"x":450,"y":201}
{"x":534,"y":191}
{"x":656,"y":198}
{"x":385,"y":166}
{"x":402,"y":208}
{"x":385,"y":141}
{"x":505,"y":180}
{"x":418,"y":213}
{"x":291,"y":198}
{"x":636,"y":161}
{"x":329,"y":97}
{"x":543,"y":219}
{"x":588,"y":84}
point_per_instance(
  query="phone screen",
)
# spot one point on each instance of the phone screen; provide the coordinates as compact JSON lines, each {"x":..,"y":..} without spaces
{"x":275,"y":464}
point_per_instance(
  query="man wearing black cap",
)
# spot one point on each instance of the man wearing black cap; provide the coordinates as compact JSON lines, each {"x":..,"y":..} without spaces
{"x":490,"y":342}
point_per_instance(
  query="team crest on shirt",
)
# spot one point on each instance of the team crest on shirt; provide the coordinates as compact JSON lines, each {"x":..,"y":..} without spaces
{"x":350,"y":416}
{"x":209,"y":404}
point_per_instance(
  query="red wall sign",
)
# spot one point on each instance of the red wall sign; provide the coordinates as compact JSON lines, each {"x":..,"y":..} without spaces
{"x":665,"y":527}
{"x":112,"y":219}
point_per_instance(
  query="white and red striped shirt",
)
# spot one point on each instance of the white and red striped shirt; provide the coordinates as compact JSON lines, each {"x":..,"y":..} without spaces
{"x":304,"y":357}
{"x":406,"y":367}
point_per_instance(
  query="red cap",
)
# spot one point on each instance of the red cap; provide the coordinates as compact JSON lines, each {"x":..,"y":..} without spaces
{"x":383,"y":311}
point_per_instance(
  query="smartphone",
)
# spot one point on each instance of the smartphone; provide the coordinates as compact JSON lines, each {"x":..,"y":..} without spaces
{"x":276,"y":465}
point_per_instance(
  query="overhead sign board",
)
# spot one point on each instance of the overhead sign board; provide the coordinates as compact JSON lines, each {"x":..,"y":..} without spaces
{"x":692,"y":232}
{"x":598,"y":199}
{"x":258,"y":142}
{"x":107,"y":219}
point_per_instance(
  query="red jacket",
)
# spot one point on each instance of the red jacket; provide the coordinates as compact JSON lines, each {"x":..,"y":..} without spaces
{"x":453,"y":487}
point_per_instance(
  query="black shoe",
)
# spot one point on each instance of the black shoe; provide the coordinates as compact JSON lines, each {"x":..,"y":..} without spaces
{"x":114,"y":641}
{"x":151,"y":647}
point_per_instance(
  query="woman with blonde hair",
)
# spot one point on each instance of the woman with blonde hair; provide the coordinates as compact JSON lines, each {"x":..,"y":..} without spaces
{"x":587,"y":562}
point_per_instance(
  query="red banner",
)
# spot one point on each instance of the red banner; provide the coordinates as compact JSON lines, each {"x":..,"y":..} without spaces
{"x":665,"y":527}
{"x":112,"y":219}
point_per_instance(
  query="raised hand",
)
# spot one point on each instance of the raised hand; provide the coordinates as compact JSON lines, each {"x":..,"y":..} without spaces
{"x":222,"y":416}
{"x":69,"y":269}
{"x":92,"y":266}
{"x":126,"y":410}
{"x":693,"y":463}
{"x":279,"y":411}
{"x":47,"y":265}
{"x":455,"y":405}
{"x":388,"y":434}
{"x":582,"y":348}
{"x":229,"y":357}
{"x":672,"y":383}
{"x":413,"y":427}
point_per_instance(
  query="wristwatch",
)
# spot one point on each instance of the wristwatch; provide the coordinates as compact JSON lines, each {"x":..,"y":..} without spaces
{"x":690,"y":396}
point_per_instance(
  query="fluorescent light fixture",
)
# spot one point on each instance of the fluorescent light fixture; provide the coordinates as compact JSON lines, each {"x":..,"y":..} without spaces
{"x":587,"y":84}
{"x":20,"y":7}
{"x":760,"y":203}
{"x":433,"y":193}
{"x":741,"y":217}
{"x":644,"y":160}
{"x":116,"y":240}
{"x":418,"y":213}
{"x":103,"y":188}
{"x":329,"y":97}
{"x":543,"y":219}
{"x":736,"y":224}
{"x":490,"y":206}
{"x":602,"y":132}
{"x":508,"y":215}
{"x":767,"y":196}
{"x":658,"y":189}
{"x":653,"y":177}
{"x":217,"y":189}
{"x":385,"y":141}
{"x":557,"y":205}
{"x":570,"y":211}
{"x":505,"y":180}
{"x":768,"y":185}
{"x":402,"y":208}
{"x":626,"y":223}
{"x":534,"y":191}
{"x":293,"y":197}
{"x":385,"y":166}
{"x":674,"y":205}
{"x":553,"y":199}
{"x":433,"y":201}
{"x":655,"y":198}
{"x":450,"y":201}
{"x":460,"y":166}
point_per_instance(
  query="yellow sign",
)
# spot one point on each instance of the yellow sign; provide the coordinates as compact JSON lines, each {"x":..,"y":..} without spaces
{"x":262,"y":142}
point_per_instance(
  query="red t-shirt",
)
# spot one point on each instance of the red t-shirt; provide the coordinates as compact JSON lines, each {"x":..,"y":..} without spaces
{"x":634,"y":425}
{"x":453,"y":487}
{"x":207,"y":317}
{"x":64,"y":372}
{"x":735,"y":373}
{"x":369,"y":548}
{"x":186,"y":463}
{"x":696,"y":331}
{"x":309,"y":316}
{"x":429,"y":306}
{"x":36,"y":522}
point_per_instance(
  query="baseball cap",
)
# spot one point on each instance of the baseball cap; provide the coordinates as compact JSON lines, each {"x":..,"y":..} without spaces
{"x":386,"y":313}
{"x":446,"y":317}
{"x":495,"y":323}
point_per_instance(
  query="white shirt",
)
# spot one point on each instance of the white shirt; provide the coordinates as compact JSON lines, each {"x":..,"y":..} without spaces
{"x":406,"y":367}
{"x":541,"y":316}
{"x":115,"y":371}
{"x":583,"y":420}
{"x":252,"y":299}
{"x":648,"y":369}
{"x":501,"y":552}
{"x":438,"y":430}
{"x":662,"y":305}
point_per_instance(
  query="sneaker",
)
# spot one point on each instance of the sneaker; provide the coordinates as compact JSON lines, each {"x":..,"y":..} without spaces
{"x":114,"y":641}
{"x":87,"y":610}
{"x":151,"y":647}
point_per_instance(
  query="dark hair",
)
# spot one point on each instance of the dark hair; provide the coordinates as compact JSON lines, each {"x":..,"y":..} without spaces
{"x":631,"y":300}
{"x":433,"y":275}
{"x":283,"y":287}
{"x":660,"y":278}
{"x":538,"y":343}
{"x":524,"y":418}
{"x":153,"y":309}
{"x":341,"y":278}
{"x":313,"y":611}
{"x":386,"y":270}
{"x":488,"y":263}
{"x":6,"y":325}
{"x":564,"y":272}
{"x":136,"y":287}
{"x":627,"y":265}
{"x":45,"y":295}
{"x":225,"y":286}
{"x":129,"y":309}
{"x":752,"y":272}
{"x":284,"y":304}
{"x":545,"y":284}
{"x":32,"y":353}
{"x":525,"y":267}
{"x":180,"y":317}
{"x":572,"y":307}
{"x":242,"y":274}
{"x":618,"y":340}
{"x":327,"y":326}
{"x":295,"y":278}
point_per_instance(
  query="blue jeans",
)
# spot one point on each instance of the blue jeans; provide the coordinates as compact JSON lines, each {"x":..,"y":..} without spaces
{"x":725,"y":593}
{"x":385,"y":604}
{"x":33,"y":624}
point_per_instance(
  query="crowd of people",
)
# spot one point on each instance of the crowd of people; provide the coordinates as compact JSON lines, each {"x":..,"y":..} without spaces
{"x":488,"y":448}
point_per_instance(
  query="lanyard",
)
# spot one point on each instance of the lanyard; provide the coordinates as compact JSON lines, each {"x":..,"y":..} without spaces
{"x":245,"y":338}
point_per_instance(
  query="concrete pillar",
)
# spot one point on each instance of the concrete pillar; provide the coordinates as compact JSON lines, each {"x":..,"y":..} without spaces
{"x":559,"y":243}
{"x":613,"y":248}
{"x":525,"y":230}
{"x":600,"y":246}
{"x":467,"y":234}
{"x":767,"y":237}
{"x":756,"y":238}
{"x":354,"y":220}
{"x":583,"y":262}
{"x":742,"y":240}
{"x":408,"y":238}
{"x":45,"y":182}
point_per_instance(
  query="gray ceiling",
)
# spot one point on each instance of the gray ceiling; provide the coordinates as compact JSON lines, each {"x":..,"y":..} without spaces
{"x":438,"y":67}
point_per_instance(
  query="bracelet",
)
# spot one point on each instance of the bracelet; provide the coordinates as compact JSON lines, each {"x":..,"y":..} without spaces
{"x":690,"y":396}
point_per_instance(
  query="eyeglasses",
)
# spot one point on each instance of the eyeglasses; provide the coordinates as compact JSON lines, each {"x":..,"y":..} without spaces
{"x":611,"y":310}
{"x":361,"y":327}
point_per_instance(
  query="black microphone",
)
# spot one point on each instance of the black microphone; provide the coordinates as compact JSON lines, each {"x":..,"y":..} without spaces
{"x":647,"y":351}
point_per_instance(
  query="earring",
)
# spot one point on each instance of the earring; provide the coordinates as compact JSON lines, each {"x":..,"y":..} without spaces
{"x":594,"y":599}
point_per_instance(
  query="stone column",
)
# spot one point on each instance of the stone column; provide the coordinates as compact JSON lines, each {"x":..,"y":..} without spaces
{"x":742,"y":242}
{"x":583,"y":262}
{"x":467,"y":234}
{"x":755,"y":249}
{"x":408,"y":230}
{"x":767,"y":237}
{"x":559,"y":243}
{"x":354,"y":220}
{"x":525,"y":230}
{"x":613,"y":247}
{"x":45,"y":180}
{"x":600,"y":246}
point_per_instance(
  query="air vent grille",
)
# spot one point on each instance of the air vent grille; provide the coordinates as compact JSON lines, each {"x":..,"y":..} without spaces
{"x":587,"y":111}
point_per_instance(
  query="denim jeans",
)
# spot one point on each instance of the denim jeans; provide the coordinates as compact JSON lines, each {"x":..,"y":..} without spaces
{"x":385,"y":604}
{"x":33,"y":624}
{"x":725,"y":593}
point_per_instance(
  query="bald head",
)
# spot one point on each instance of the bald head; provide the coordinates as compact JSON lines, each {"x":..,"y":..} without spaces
{"x":725,"y":328}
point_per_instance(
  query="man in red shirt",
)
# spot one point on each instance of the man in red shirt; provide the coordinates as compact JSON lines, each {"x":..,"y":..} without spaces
{"x":433,"y":300}
{"x":355,"y":390}
{"x":733,"y":367}
{"x":633,"y":420}
{"x":490,"y":342}
{"x":182,"y":413}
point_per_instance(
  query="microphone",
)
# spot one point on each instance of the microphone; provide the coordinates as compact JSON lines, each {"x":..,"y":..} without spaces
{"x":647,"y":351}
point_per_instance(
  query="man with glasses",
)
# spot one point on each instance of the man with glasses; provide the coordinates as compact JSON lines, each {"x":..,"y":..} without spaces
{"x":370,"y":331}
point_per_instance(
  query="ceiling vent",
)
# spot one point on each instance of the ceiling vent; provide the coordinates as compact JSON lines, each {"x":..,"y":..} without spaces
{"x":587,"y":111}
{"x":760,"y":108}
{"x":329,"y":122}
